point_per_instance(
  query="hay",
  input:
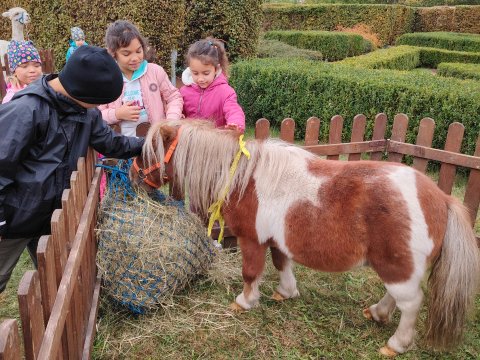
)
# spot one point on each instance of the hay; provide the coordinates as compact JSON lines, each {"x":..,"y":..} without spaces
{"x":150,"y":247}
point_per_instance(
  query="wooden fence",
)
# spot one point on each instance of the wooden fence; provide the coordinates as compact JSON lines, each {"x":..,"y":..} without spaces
{"x":59,"y":302}
{"x":48,"y":67}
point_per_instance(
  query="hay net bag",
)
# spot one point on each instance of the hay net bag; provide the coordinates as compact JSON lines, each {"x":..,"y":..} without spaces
{"x":149,"y":246}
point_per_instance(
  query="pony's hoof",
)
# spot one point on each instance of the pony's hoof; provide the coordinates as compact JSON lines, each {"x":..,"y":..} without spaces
{"x":235,"y":307}
{"x":367,"y":314}
{"x":387,"y":351}
{"x":277,"y":296}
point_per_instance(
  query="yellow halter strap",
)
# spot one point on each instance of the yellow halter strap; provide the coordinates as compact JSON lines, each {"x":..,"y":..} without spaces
{"x":215,"y":209}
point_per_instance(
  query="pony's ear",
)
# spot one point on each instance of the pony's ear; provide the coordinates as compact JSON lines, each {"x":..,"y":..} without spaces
{"x":168,"y":133}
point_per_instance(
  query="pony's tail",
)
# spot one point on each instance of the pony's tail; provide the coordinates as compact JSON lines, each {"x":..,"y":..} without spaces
{"x":453,"y":280}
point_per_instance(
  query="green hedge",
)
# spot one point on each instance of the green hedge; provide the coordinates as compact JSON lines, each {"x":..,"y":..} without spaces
{"x":277,"y":89}
{"x":406,"y":57}
{"x":333,"y":45}
{"x":388,"y":21}
{"x":442,"y":40}
{"x":431,"y":57}
{"x":459,"y":70}
{"x":395,"y":58}
{"x":278,"y":49}
{"x":237,"y":22}
{"x":52,"y":20}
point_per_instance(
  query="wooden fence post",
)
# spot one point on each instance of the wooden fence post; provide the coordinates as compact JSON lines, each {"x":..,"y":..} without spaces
{"x":358,"y":134}
{"x":424,"y":138}
{"x":262,"y":129}
{"x":335,"y":135}
{"x":9,"y":340}
{"x":399,"y":132}
{"x":31,"y":313}
{"x":312,"y":131}
{"x":453,"y":143}
{"x":379,"y":130}
{"x":287,"y":130}
{"x":472,"y":192}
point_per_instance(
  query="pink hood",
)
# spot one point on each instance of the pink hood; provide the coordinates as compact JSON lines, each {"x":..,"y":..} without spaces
{"x":218,"y":103}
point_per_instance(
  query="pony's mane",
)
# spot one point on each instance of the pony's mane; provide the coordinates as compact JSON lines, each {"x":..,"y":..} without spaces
{"x":204,"y":155}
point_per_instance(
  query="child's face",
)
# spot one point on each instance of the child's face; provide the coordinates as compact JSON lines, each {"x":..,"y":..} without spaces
{"x":203,"y":75}
{"x":129,"y":58}
{"x":79,"y":42}
{"x":28,"y":72}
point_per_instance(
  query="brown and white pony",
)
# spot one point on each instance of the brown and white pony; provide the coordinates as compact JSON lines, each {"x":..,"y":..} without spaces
{"x":330,"y":216}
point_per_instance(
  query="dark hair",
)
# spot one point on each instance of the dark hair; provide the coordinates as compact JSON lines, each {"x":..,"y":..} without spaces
{"x":120,"y":34}
{"x":209,"y":51}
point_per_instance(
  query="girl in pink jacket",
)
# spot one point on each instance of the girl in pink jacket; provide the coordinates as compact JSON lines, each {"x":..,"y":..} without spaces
{"x":148,"y":95}
{"x":206,"y":93}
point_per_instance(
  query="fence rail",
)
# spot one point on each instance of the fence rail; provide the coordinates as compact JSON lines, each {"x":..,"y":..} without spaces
{"x":58,"y":303}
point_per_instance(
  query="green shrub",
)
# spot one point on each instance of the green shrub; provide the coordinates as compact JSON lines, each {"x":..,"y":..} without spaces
{"x":277,"y":89}
{"x":388,"y":21}
{"x":236,"y":22}
{"x":431,"y":57}
{"x":278,"y":49}
{"x":397,"y":58}
{"x":459,"y":70}
{"x":52,"y":20}
{"x":442,"y":40}
{"x":333,"y":45}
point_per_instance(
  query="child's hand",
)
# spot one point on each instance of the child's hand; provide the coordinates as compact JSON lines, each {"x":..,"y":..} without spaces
{"x":128,"y":112}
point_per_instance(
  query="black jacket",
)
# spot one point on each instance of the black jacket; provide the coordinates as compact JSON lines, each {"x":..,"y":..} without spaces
{"x":42,"y":135}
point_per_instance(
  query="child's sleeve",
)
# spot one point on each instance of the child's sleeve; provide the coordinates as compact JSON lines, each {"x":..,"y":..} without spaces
{"x":108,"y":113}
{"x":233,"y":112}
{"x":171,"y":97}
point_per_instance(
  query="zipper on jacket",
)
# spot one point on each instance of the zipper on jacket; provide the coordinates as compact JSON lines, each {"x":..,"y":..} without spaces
{"x":200,"y":102}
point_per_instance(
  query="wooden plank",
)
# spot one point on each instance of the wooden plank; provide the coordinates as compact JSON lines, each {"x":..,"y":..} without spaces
{"x":379,"y":129}
{"x":69,"y":213}
{"x":348,"y":148}
{"x":335,"y":134}
{"x":287,"y":130}
{"x":51,"y":339}
{"x":312,"y":131}
{"x":468,"y":161}
{"x":358,"y":133}
{"x":77,"y":207}
{"x":424,"y":138}
{"x":9,"y":340}
{"x":472,"y":192}
{"x":262,"y":129}
{"x":31,"y":313}
{"x":47,"y":274}
{"x":92,"y":321}
{"x":453,"y":143}
{"x":58,"y":238}
{"x":399,"y":132}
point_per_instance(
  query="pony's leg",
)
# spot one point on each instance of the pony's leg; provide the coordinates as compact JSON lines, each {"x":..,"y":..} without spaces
{"x":408,"y":297}
{"x":253,"y":263}
{"x":288,"y":284}
{"x":382,"y":311}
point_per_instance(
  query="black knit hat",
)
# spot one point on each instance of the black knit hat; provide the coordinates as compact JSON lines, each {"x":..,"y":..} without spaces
{"x":91,"y":75}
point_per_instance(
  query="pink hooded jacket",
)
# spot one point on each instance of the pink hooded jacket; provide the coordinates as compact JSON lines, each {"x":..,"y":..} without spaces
{"x":218,"y":102}
{"x":161,"y":99}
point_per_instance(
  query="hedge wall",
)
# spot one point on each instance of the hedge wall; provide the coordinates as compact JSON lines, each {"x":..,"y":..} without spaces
{"x":278,"y":49}
{"x":333,"y":45}
{"x":236,"y":22}
{"x":431,"y":57}
{"x":389,"y":21}
{"x":459,"y":70}
{"x":442,"y":40}
{"x":167,"y":24}
{"x":395,"y":58}
{"x":52,"y":20}
{"x":461,"y":19}
{"x":276,"y":89}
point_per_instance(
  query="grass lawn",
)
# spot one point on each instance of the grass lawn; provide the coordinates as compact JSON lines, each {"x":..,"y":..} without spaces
{"x":325,"y":322}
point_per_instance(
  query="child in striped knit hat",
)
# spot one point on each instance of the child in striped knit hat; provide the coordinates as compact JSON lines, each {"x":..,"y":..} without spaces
{"x":25,"y":67}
